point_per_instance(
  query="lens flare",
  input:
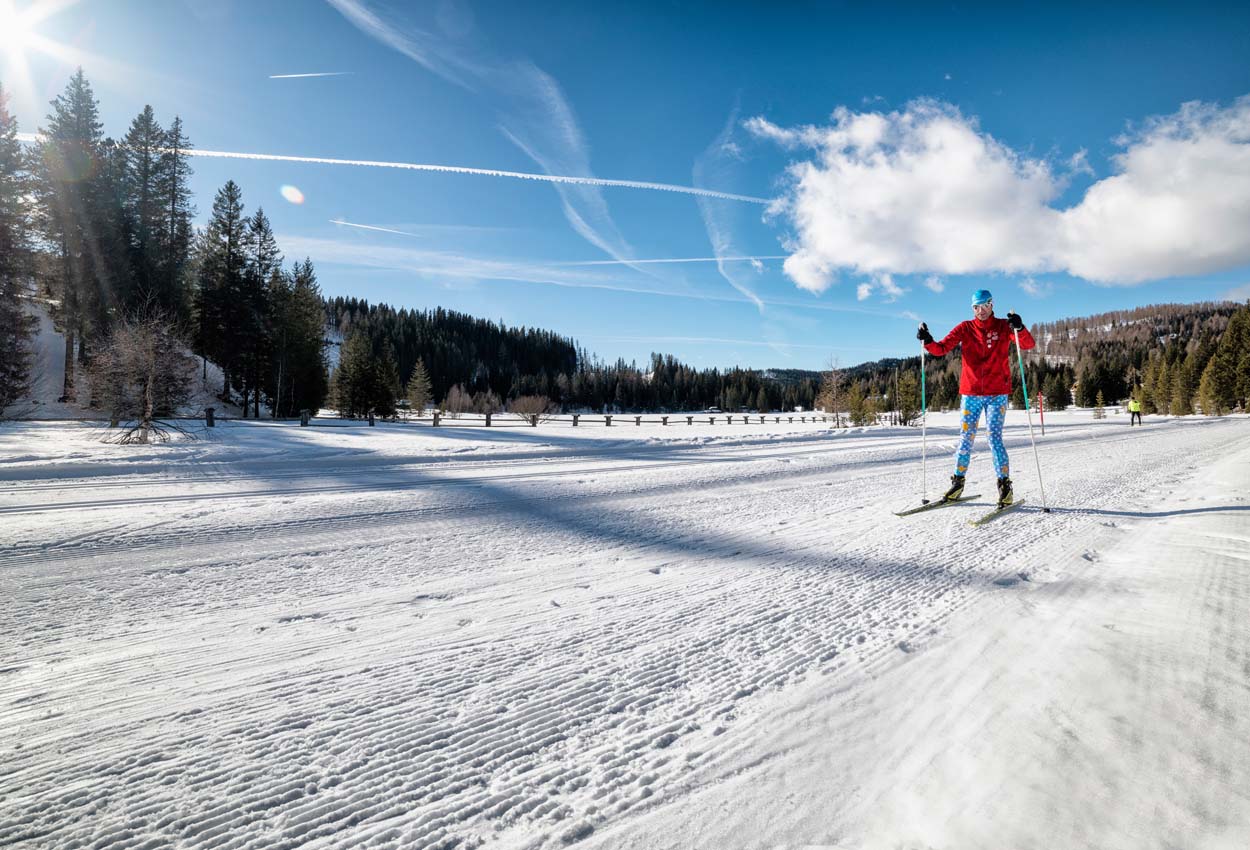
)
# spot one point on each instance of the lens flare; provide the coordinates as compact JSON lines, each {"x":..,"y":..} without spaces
{"x":292,"y":194}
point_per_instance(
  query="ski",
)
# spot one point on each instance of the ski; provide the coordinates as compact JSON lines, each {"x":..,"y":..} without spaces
{"x":937,"y":503}
{"x":997,"y":512}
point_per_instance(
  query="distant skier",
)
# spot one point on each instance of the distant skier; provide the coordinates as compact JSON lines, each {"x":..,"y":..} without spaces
{"x":1134,"y":411}
{"x":984,"y":382}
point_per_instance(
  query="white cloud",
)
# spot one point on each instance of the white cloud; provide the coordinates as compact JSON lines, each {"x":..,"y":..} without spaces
{"x":934,"y":283}
{"x":1035,"y":289}
{"x":1238,"y":293}
{"x":883,"y":283}
{"x":925,"y":191}
{"x":721,"y":164}
{"x":892,"y":290}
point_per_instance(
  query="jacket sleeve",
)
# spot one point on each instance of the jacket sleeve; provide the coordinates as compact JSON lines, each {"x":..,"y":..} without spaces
{"x":949,"y":343}
{"x":1026,"y":340}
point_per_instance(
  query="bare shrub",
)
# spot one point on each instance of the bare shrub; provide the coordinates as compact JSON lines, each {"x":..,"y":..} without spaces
{"x":487,"y":402}
{"x":529,"y":406}
{"x":142,"y":373}
{"x":457,"y":402}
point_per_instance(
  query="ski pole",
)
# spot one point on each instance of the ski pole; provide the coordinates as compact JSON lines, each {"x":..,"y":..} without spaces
{"x":924,"y":415}
{"x":1029,"y":410}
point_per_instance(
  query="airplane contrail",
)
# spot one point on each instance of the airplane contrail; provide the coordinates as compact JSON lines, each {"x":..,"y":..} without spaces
{"x":484,"y":172}
{"x":460,"y":169}
{"x":318,"y":74}
{"x":674,"y":260}
{"x":373,"y":227}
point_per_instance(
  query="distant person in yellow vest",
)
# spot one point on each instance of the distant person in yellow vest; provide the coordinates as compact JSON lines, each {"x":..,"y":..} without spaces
{"x":1134,"y":411}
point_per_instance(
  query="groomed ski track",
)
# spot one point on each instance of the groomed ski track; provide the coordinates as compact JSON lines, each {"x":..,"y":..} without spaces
{"x":283,"y":637}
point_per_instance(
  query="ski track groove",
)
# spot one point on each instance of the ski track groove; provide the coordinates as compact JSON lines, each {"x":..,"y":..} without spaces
{"x":370,"y":708}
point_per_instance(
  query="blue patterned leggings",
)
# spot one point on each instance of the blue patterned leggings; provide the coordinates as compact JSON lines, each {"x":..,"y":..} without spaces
{"x":995,"y":407}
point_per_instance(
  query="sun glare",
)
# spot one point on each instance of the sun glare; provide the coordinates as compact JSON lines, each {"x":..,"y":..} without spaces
{"x":15,"y":30}
{"x":20,"y":39}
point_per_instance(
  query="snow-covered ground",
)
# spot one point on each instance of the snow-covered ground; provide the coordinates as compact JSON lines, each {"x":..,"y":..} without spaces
{"x":692,"y":636}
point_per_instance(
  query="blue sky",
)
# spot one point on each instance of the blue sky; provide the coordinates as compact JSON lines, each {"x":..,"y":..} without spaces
{"x":898,"y":156}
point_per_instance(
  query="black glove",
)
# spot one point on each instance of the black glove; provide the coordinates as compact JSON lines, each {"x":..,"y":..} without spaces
{"x":923,"y":334}
{"x":1017,"y":323}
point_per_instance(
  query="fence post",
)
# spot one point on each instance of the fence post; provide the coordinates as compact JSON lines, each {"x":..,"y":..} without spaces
{"x":638,"y":420}
{"x":488,"y":420}
{"x":534,"y":420}
{"x":791,"y":420}
{"x":303,"y":418}
{"x":437,"y":416}
{"x":576,"y":416}
{"x":209,"y":420}
{"x":663,"y":420}
{"x":607,"y":420}
{"x":370,"y":418}
{"x":711,"y":420}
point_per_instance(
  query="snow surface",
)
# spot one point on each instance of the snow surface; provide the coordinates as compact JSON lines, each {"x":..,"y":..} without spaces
{"x":692,"y":636}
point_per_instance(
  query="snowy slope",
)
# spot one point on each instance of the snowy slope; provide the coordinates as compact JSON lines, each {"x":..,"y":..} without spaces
{"x":47,"y":382}
{"x":650,"y":637}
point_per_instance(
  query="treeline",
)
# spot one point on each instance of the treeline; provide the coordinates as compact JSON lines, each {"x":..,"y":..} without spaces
{"x":482,"y":365}
{"x":102,"y":230}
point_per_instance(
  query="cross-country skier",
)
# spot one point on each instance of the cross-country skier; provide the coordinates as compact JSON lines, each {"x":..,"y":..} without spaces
{"x":1134,"y":411}
{"x":984,"y":382}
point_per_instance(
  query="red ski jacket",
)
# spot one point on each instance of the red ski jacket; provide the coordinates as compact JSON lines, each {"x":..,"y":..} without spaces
{"x":985,"y":346}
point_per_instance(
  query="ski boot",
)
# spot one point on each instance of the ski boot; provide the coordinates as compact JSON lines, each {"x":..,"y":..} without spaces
{"x":956,"y":490}
{"x":1004,"y":492}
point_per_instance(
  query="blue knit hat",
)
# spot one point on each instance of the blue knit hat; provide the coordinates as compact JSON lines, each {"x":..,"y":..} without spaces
{"x":981,"y":296}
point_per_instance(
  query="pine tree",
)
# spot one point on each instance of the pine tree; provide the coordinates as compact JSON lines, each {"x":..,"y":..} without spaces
{"x":384,"y":387}
{"x":352,"y":372}
{"x":418,"y":390}
{"x":1226,"y":380}
{"x":16,"y":326}
{"x":172,"y":183}
{"x":859,"y":407}
{"x":261,"y":272}
{"x":141,"y":154}
{"x":70,"y":200}
{"x":296,"y":375}
{"x":1056,"y":391}
{"x":1161,"y":391}
{"x":366,"y":383}
{"x":219,"y":297}
{"x":908,"y":397}
{"x":1146,"y":390}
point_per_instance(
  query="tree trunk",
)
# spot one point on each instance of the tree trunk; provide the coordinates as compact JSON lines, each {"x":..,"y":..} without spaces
{"x":67,"y":391}
{"x":148,"y":401}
